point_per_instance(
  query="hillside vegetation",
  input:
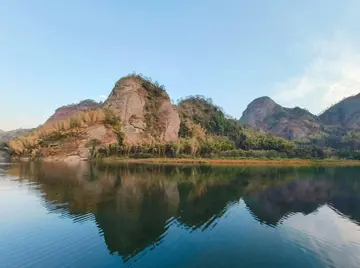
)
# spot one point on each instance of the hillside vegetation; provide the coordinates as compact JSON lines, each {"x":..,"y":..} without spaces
{"x":138,"y":120}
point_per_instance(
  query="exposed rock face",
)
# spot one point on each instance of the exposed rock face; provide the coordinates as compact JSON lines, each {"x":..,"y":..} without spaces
{"x":289,"y":123}
{"x":275,"y":202}
{"x":345,"y":113}
{"x":258,"y":110}
{"x":69,"y":110}
{"x":145,"y":111}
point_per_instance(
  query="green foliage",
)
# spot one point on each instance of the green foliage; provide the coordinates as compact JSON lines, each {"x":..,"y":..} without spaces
{"x":202,"y":111}
{"x":93,"y":143}
{"x":153,"y":87}
{"x":111,"y":118}
{"x":250,"y":139}
{"x":348,"y":154}
{"x":185,"y":131}
{"x":120,"y":137}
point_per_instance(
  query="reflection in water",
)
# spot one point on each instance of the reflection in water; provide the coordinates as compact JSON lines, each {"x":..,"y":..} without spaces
{"x":134,"y":206}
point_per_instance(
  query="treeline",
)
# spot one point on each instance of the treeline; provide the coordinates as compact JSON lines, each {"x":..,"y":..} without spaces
{"x":334,"y":137}
{"x":216,"y":149}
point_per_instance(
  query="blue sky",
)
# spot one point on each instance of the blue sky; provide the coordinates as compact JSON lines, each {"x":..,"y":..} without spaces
{"x":304,"y":53}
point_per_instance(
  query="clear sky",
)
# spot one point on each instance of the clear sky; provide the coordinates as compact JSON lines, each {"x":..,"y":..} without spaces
{"x":301,"y":53}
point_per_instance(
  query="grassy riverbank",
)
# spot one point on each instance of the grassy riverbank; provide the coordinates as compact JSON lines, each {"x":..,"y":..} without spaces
{"x":252,"y":162}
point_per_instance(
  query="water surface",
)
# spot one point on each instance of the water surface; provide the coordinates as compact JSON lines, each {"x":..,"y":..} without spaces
{"x":182,"y":216}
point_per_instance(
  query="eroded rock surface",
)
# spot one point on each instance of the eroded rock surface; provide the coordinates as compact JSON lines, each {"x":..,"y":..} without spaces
{"x":145,"y":111}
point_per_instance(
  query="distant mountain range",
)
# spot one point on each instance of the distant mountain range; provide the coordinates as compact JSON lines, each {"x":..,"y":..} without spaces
{"x":297,"y":123}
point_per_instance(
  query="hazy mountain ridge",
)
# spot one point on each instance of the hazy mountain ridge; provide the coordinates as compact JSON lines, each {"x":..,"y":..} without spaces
{"x":5,"y":136}
{"x":345,"y":113}
{"x":289,"y":123}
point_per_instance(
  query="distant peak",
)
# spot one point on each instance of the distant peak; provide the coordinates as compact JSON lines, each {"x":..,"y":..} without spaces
{"x":263,"y":100}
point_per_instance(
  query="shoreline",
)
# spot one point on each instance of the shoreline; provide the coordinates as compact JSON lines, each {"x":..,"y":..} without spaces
{"x":240,"y":162}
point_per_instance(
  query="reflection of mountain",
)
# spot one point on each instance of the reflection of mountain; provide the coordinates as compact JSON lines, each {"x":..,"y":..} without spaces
{"x":339,"y":189}
{"x":134,"y":206}
{"x":136,"y":217}
{"x":277,"y":202}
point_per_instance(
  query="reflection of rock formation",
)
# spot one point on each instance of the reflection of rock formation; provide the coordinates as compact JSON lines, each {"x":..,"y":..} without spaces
{"x":276,"y":202}
{"x":133,"y":206}
{"x":136,"y":217}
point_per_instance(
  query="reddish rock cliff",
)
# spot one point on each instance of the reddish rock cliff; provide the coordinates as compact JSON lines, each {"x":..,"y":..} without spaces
{"x":145,"y":110}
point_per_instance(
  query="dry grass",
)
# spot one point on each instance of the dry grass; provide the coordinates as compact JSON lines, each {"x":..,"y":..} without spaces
{"x":80,"y":120}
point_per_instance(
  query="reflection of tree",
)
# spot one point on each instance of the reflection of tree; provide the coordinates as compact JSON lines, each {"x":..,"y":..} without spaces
{"x":200,"y":203}
{"x":134,"y":205}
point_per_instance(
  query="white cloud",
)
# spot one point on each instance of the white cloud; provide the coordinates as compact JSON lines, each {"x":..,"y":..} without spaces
{"x":102,"y":97}
{"x":332,"y":74}
{"x":332,"y":237}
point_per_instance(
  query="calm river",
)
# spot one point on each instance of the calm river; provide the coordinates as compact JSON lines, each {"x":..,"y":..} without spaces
{"x":178,"y":216}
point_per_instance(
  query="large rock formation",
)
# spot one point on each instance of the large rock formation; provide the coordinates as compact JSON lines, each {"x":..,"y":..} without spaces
{"x":69,"y":110}
{"x":144,"y":109}
{"x":289,"y":123}
{"x":346,"y":113}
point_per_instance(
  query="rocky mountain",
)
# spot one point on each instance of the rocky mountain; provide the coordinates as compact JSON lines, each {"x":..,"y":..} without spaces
{"x":145,"y":110}
{"x":289,"y":123}
{"x":137,"y":111}
{"x":346,"y":113}
{"x":68,"y":110}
